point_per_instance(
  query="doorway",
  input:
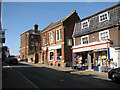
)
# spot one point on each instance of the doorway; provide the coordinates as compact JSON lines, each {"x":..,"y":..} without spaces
{"x":90,"y":60}
{"x":36,"y":58}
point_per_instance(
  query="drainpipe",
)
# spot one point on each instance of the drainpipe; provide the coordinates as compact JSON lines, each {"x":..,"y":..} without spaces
{"x":73,"y":59}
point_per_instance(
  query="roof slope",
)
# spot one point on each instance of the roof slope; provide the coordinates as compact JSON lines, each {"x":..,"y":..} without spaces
{"x":52,"y":25}
{"x":95,"y":25}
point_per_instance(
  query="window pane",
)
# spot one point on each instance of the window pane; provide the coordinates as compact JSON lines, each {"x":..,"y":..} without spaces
{"x":60,"y":34}
{"x":51,"y":55}
{"x":57,"y":34}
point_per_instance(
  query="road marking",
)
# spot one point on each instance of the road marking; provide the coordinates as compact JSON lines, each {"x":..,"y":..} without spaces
{"x":28,"y":81}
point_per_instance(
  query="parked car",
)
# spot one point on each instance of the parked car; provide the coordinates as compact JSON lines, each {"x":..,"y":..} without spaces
{"x":114,"y":74}
{"x":11,"y":60}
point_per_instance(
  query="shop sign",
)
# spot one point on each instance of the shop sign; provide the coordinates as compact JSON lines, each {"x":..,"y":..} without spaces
{"x":117,"y":48}
{"x":100,"y":49}
{"x":96,"y":47}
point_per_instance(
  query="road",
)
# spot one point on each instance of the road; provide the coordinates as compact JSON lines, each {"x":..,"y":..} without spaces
{"x":42,"y":77}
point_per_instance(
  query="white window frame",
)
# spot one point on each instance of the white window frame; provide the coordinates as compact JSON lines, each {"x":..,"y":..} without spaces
{"x":108,"y":17}
{"x":49,"y":55}
{"x":43,"y":39}
{"x":60,"y":35}
{"x":84,"y":37}
{"x":51,"y":37}
{"x":103,"y":32}
{"x":36,"y":44}
{"x":56,"y":55}
{"x":32,"y":44}
{"x":32,"y":36}
{"x":83,"y":23}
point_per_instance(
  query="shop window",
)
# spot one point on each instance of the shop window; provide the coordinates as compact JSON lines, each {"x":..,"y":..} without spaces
{"x":51,"y":53}
{"x":103,"y":17}
{"x":84,"y":39}
{"x":59,"y":54}
{"x":59,"y":65}
{"x":104,"y":35}
{"x":51,"y":64}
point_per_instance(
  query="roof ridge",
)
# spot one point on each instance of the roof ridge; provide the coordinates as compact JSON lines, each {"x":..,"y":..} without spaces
{"x":116,"y":5}
{"x":59,"y":21}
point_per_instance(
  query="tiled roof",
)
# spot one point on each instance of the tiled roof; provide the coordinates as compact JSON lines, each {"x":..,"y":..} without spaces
{"x":30,"y":31}
{"x":116,"y":5}
{"x":52,"y":25}
{"x":95,"y":25}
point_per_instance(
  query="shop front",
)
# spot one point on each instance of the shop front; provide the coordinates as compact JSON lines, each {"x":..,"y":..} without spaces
{"x":93,"y":57}
{"x":55,"y":55}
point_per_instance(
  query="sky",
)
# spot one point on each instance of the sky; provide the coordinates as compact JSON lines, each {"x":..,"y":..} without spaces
{"x":18,"y":17}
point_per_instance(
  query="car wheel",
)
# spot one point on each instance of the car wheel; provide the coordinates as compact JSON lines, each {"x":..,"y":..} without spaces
{"x":114,"y":77}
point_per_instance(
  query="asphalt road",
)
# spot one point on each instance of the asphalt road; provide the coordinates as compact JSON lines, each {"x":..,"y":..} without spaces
{"x":41,"y":77}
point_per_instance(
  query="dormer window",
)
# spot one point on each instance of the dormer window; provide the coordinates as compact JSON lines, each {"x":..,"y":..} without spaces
{"x":85,"y":24}
{"x":103,"y":17}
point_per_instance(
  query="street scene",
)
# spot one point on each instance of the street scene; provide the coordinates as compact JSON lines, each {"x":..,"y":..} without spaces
{"x":60,"y":45}
{"x":32,"y":75}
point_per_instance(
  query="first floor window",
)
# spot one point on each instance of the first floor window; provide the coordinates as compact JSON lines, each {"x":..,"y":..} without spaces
{"x":32,"y":36}
{"x":51,"y":37}
{"x":84,"y":40}
{"x":32,"y":44}
{"x":104,"y":35}
{"x":36,"y":44}
{"x":58,"y":35}
{"x":44,"y":40}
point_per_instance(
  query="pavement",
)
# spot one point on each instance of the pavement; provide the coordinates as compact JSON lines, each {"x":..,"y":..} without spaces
{"x":95,"y":74}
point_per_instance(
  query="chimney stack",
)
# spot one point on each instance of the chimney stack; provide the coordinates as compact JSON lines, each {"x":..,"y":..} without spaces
{"x":36,"y":28}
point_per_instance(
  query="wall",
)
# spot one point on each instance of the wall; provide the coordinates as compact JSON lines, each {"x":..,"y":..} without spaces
{"x":68,"y":32}
{"x":113,"y":33}
{"x":24,"y":45}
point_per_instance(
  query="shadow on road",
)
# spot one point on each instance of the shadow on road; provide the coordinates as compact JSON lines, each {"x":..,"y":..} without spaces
{"x":44,"y":77}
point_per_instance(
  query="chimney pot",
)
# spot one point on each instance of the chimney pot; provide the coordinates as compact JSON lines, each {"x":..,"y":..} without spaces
{"x":36,"y":28}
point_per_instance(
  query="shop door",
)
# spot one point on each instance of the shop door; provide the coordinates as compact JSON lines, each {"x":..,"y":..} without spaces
{"x":90,"y":60}
{"x":36,"y":58}
{"x":43,"y":57}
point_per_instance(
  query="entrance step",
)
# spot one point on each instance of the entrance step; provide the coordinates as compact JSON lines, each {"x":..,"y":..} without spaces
{"x":90,"y":70}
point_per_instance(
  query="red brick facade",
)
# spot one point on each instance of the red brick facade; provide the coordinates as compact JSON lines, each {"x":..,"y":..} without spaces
{"x":30,"y":44}
{"x":66,"y":27}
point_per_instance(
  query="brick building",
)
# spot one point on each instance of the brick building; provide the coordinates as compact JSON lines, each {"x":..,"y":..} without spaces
{"x":30,"y":45}
{"x":56,"y":41}
{"x":97,"y":39}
